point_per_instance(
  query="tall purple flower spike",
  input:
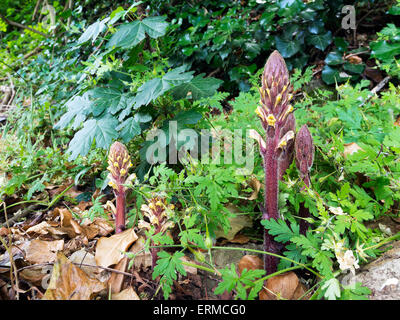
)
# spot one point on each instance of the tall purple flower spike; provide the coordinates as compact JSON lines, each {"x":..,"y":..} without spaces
{"x":304,"y":148}
{"x":277,"y":119}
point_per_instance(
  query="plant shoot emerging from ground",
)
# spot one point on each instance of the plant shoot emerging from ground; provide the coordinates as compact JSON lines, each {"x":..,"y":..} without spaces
{"x":276,"y":115}
{"x":119,"y":163}
{"x":304,"y":149}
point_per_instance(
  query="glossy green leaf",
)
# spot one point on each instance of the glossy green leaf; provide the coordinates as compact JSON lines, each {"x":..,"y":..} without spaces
{"x":331,"y":75}
{"x":334,"y":58}
{"x":321,"y":41}
{"x":286,"y":47}
{"x":384,"y":50}
{"x":354,"y":68}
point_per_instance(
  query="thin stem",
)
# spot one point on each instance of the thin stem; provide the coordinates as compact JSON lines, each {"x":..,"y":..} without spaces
{"x":120,"y":215}
{"x":384,"y":241}
{"x":302,"y":265}
{"x":271,"y":254}
{"x":275,"y":274}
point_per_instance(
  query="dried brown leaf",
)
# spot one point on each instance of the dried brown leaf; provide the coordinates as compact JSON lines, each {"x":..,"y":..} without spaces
{"x":240,"y":239}
{"x":34,"y":275}
{"x":83,"y":257}
{"x":4,"y":231}
{"x":102,"y":226}
{"x":256,"y":186}
{"x":127,"y":294}
{"x":353,"y":59}
{"x":39,"y":251}
{"x":286,"y":286}
{"x":350,"y":148}
{"x":250,"y":262}
{"x":69,"y":282}
{"x":45,"y":228}
{"x":68,"y":224}
{"x":109,"y":251}
{"x":237,"y":223}
{"x":142,"y":258}
{"x":117,"y":279}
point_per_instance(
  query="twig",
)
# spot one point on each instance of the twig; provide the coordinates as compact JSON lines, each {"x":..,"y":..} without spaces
{"x":36,"y":9}
{"x":20,"y":215}
{"x":380,"y":85}
{"x":13,"y":268}
{"x":33,"y":52}
{"x":77,"y":264}
{"x":355,"y":54}
{"x":16,"y":24}
{"x":376,"y":89}
{"x":214,"y":72}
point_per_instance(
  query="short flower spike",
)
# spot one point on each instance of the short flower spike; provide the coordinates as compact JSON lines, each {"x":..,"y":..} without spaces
{"x":156,"y":211}
{"x":304,"y":149}
{"x":119,"y":163}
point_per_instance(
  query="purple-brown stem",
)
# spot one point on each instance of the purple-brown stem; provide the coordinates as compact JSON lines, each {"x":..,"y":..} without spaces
{"x":270,"y":202}
{"x":278,"y":122}
{"x":121,"y":207}
{"x":119,"y":163}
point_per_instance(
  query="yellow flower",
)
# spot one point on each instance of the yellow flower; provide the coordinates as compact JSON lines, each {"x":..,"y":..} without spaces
{"x":271,"y":120}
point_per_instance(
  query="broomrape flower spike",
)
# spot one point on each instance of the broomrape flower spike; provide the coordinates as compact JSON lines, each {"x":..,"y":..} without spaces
{"x":304,"y":149}
{"x":277,"y":119}
{"x":119,"y":163}
{"x":156,"y":212}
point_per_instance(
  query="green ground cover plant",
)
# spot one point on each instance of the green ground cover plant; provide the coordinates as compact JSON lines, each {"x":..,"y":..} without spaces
{"x":93,"y":81}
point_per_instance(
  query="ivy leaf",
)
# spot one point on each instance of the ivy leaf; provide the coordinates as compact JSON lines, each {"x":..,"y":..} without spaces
{"x":100,"y":130}
{"x":334,"y":58}
{"x":198,"y":87}
{"x":287,"y":47}
{"x":331,"y":75}
{"x":321,"y":41}
{"x":354,"y":68}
